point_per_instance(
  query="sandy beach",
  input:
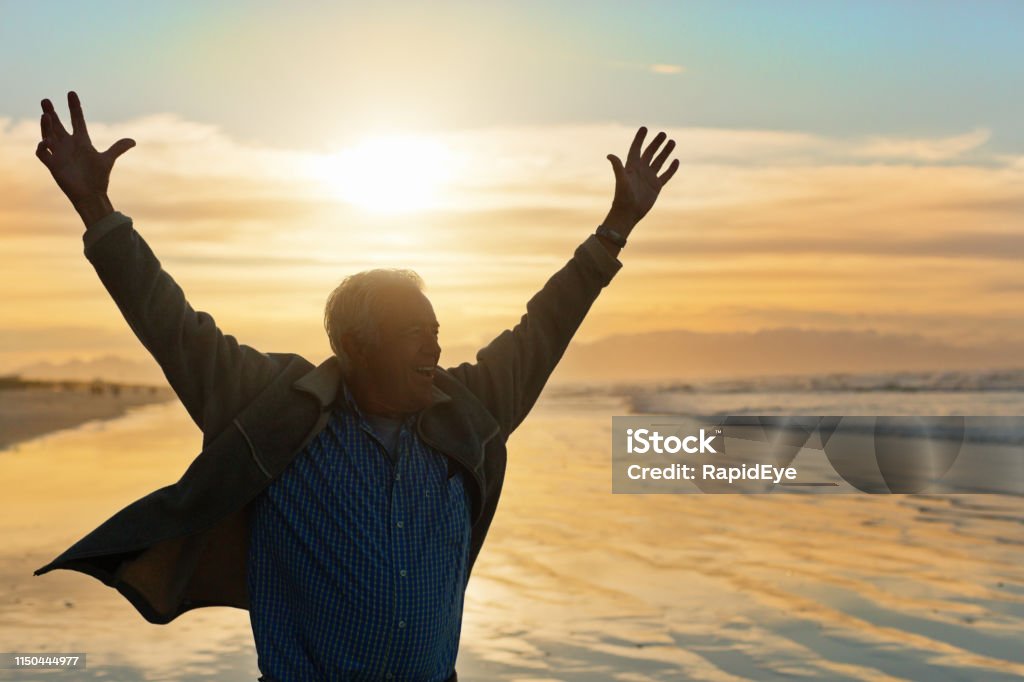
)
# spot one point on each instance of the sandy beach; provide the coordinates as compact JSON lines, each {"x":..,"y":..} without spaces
{"x":38,"y":408}
{"x":574,"y":583}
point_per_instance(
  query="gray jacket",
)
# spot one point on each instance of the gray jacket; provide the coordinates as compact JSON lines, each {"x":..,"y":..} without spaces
{"x":184,"y":546}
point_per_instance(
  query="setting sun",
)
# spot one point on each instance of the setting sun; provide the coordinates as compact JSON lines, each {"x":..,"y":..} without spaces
{"x":388,"y":174}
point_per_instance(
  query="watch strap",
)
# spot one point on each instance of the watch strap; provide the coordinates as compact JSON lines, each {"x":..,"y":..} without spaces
{"x":616,"y":238}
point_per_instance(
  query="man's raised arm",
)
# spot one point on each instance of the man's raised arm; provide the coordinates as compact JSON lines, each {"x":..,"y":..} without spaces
{"x":211,"y":373}
{"x":511,"y":371}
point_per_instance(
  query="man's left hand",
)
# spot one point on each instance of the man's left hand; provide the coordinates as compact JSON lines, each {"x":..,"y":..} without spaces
{"x":637,"y":183}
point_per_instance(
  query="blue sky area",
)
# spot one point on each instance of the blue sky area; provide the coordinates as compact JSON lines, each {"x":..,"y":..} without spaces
{"x":289,"y":74}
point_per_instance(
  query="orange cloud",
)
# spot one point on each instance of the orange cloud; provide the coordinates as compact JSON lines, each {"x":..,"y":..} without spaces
{"x":872,"y":232}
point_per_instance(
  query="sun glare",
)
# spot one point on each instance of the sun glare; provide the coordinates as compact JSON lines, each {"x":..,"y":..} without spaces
{"x":388,"y":174}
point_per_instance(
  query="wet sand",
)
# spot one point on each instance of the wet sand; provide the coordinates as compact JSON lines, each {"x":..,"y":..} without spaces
{"x":585,"y":585}
{"x":55,"y":489}
{"x":574,"y":583}
{"x":30,"y":412}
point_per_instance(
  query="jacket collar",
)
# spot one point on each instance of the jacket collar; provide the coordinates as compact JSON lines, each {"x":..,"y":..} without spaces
{"x":457,"y":423}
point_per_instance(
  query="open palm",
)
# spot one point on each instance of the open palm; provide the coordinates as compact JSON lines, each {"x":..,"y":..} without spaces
{"x":79,"y":170}
{"x":637,"y":182}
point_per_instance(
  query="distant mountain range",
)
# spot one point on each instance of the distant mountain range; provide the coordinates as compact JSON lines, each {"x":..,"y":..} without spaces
{"x":687,"y":355}
{"x":675,"y":355}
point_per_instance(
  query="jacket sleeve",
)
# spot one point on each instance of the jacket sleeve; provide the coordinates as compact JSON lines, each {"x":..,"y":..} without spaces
{"x":212,"y":374}
{"x":511,"y":371}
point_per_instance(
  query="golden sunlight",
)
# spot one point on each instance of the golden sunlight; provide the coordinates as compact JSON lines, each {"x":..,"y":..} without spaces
{"x":388,"y":174}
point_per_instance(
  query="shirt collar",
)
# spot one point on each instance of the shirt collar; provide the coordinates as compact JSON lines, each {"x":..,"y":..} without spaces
{"x":348,"y":401}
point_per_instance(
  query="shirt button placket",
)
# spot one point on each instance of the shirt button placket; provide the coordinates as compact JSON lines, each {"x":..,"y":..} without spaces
{"x":398,"y":509}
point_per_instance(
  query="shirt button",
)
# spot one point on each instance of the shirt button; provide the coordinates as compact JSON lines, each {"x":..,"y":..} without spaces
{"x":398,"y":477}
{"x":403,"y":573}
{"x":400,"y":524}
{"x":401,"y":624}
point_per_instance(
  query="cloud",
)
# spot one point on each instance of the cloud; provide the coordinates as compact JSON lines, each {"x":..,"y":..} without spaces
{"x":906,"y":229}
{"x":923,"y":149}
{"x":667,"y":69}
{"x":658,"y":68}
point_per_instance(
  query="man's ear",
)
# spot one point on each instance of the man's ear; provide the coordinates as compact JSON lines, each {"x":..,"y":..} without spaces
{"x":353,"y":349}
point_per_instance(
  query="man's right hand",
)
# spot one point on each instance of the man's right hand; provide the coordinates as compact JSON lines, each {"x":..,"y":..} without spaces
{"x":81,"y":172}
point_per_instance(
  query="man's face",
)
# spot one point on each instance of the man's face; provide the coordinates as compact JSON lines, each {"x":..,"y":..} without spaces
{"x":399,"y":370}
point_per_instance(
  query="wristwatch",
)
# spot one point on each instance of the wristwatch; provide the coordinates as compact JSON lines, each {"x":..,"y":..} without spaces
{"x":611,"y":235}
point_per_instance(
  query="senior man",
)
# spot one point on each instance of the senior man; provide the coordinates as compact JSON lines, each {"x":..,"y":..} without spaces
{"x":343,"y":505}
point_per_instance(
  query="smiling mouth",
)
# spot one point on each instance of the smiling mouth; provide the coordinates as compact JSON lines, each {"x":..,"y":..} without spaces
{"x":427,"y":372}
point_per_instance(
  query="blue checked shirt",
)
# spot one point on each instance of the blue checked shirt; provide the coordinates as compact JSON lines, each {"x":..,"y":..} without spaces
{"x":357,"y":563}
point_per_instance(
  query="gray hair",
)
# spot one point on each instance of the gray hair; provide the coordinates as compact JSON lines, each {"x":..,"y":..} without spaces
{"x":351,"y":307}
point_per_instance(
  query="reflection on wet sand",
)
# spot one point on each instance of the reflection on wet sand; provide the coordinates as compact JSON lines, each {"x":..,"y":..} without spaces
{"x":586,"y":585}
{"x":575,"y":583}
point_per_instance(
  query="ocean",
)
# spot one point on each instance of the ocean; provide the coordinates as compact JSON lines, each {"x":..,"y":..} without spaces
{"x":990,"y":393}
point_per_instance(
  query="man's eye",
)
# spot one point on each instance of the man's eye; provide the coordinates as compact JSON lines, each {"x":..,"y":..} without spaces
{"x":419,"y":331}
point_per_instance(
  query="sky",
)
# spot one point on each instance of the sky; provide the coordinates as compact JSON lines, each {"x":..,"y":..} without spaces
{"x":845,"y":165}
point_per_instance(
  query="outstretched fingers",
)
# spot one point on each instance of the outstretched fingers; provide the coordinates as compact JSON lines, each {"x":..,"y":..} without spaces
{"x":45,"y":127}
{"x":77,"y":117}
{"x":638,"y":141}
{"x":649,"y":161}
{"x":663,"y":156}
{"x":118,"y":148}
{"x":617,"y":167}
{"x":652,"y":147}
{"x":56,"y":127}
{"x":667,"y":175}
